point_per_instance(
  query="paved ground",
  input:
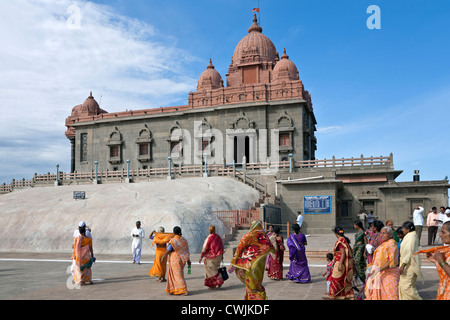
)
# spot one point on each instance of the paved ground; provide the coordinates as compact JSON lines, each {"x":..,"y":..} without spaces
{"x":39,"y":276}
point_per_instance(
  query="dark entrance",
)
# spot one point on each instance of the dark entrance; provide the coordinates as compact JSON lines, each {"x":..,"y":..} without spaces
{"x":241,"y":149}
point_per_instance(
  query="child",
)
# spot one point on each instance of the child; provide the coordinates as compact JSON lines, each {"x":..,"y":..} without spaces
{"x":329,"y":270}
{"x":400,"y":239}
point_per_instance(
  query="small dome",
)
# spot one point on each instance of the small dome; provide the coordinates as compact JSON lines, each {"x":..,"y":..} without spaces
{"x":210,"y":78}
{"x":285,"y":69}
{"x":255,"y":44}
{"x":89,"y":107}
{"x":76,"y":111}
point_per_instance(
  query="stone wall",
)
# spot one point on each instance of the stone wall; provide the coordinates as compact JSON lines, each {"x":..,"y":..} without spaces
{"x":223,"y":122}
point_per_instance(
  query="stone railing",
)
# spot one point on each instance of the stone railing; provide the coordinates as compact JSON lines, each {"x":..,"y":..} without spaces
{"x":244,"y":172}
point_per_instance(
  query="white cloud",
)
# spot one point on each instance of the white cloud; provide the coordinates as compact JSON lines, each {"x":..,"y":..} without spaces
{"x":329,"y":129}
{"x":47,"y":67}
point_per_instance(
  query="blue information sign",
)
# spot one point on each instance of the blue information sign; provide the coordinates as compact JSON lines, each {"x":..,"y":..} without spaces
{"x":316,"y":204}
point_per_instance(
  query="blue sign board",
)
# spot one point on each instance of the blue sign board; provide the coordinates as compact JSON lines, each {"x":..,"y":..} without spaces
{"x":316,"y":204}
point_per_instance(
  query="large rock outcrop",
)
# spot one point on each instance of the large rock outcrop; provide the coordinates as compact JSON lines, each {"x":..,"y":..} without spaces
{"x":44,"y":219}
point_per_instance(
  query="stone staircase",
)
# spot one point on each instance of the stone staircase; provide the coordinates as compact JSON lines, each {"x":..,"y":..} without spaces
{"x":231,"y":244}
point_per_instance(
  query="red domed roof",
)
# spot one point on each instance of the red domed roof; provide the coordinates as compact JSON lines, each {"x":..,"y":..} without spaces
{"x":254,"y":44}
{"x":285,"y":69}
{"x":210,"y":78}
{"x":89,"y":107}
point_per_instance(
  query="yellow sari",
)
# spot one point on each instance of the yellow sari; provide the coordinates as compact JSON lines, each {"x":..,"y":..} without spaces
{"x":249,"y":261}
{"x":407,"y":285}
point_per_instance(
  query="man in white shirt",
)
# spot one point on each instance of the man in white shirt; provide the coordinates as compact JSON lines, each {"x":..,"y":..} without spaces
{"x":362,"y":216}
{"x":447,"y":215}
{"x":76,"y":233}
{"x":446,"y":218}
{"x":136,"y":247}
{"x":418,"y":220}
{"x":299,"y":220}
{"x":440,"y":222}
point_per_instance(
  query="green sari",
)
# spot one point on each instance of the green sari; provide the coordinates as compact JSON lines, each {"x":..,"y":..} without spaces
{"x":249,"y":261}
{"x":358,"y":255}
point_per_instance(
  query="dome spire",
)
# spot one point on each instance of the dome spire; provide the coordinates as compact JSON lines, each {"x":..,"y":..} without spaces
{"x":284,"y":56}
{"x":255,"y":26}
{"x":210,"y":66}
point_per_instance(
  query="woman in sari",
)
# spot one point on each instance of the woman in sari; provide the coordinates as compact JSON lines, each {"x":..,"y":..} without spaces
{"x":178,"y":252}
{"x":382,"y":282}
{"x":269,"y":234}
{"x":373,"y":239}
{"x":160,"y":239}
{"x":440,"y":256}
{"x":213,"y":252}
{"x":298,"y":268}
{"x":342,"y":273}
{"x":409,"y":264}
{"x":275,"y":259}
{"x":358,"y":251}
{"x":249,"y":261}
{"x":83,"y":255}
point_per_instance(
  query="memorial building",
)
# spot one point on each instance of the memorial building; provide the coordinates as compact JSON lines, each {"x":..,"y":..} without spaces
{"x":260,"y":112}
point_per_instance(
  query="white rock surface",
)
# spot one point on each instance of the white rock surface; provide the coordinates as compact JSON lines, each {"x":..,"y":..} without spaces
{"x":43,"y":219}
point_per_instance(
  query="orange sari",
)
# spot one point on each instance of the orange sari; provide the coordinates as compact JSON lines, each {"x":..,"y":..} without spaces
{"x":177,"y":260}
{"x":159,"y":267}
{"x":444,"y":283}
{"x":383,"y":285}
{"x":82,"y":255}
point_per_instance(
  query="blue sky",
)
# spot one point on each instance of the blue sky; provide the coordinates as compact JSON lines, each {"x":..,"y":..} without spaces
{"x":374,"y":91}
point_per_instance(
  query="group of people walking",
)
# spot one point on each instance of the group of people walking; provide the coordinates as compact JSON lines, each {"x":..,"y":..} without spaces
{"x":385,"y":262}
{"x":258,"y":252}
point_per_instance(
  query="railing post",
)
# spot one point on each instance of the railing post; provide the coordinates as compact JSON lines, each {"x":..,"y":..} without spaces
{"x":169,"y":177}
{"x":128,"y":169}
{"x":206,"y":165}
{"x":234,"y":169}
{"x":290,"y":162}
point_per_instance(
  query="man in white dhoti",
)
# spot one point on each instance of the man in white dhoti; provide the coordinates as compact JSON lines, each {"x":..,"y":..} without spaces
{"x":76,"y":233}
{"x":136,"y":247}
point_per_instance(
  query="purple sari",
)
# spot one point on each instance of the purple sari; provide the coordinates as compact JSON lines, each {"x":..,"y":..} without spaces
{"x":298,"y":269}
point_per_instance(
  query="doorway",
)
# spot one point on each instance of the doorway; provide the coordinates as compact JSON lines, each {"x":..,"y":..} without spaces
{"x":241,"y":149}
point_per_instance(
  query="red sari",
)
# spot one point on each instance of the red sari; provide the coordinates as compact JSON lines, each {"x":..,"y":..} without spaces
{"x":341,"y":280}
{"x":213,"y":253}
{"x":275,"y":259}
